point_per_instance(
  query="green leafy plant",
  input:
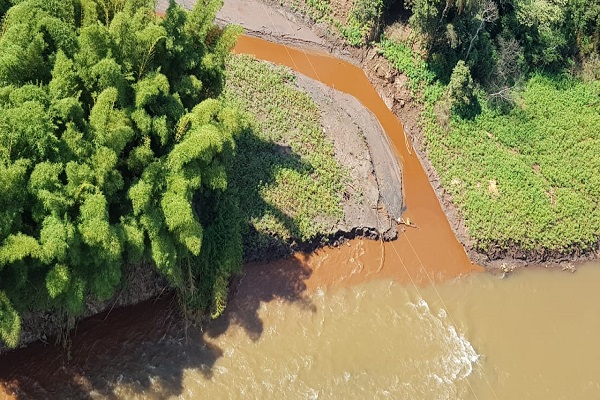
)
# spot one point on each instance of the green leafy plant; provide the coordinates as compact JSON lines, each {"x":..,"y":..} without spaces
{"x":364,"y":16}
{"x":109,"y":134}
{"x":529,"y":178}
{"x":289,"y":181}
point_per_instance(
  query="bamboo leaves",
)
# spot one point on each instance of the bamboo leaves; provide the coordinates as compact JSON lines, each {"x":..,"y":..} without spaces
{"x":103,"y":150}
{"x":10,"y":322}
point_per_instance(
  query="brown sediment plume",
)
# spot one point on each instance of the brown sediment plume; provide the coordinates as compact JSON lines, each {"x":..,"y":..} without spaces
{"x":431,"y":246}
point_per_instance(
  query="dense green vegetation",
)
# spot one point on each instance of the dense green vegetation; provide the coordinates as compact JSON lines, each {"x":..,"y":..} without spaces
{"x":120,"y":143}
{"x":289,"y":181}
{"x":512,"y":117}
{"x":114,"y":149}
{"x":529,"y":178}
{"x":511,"y":96}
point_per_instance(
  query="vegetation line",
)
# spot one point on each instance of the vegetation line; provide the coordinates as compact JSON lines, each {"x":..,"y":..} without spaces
{"x":115,"y":150}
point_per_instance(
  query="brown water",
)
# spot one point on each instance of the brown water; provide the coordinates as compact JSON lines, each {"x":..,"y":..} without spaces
{"x":533,"y":335}
{"x":402,"y":321}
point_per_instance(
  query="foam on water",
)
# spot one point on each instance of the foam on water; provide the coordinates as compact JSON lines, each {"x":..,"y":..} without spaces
{"x":456,"y":357}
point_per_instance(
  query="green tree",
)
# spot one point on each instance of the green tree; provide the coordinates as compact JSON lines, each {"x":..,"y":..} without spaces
{"x":586,"y":24}
{"x":545,"y":23}
{"x":461,"y":91}
{"x":113,"y":151}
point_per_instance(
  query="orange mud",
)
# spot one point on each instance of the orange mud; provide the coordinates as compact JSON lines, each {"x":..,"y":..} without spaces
{"x":431,"y":247}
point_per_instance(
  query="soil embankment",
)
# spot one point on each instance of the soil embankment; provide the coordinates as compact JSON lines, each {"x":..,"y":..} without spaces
{"x":373,"y":196}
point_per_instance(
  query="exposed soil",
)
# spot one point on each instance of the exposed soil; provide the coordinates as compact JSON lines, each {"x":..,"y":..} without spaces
{"x":362,"y":149}
{"x":140,"y":283}
{"x":372,"y":199}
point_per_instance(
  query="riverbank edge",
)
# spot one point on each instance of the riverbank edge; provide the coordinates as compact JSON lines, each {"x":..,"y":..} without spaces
{"x":383,"y":76}
{"x":362,"y":150}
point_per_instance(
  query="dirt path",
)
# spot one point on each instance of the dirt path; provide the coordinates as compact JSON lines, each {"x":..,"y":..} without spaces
{"x":256,"y":16}
{"x":260,"y":18}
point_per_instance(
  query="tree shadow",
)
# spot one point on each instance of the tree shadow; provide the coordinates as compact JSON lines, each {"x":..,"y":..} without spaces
{"x":146,"y":348}
{"x":283,"y":280}
{"x":256,"y":165}
{"x":141,"y":347}
{"x":468,"y":111}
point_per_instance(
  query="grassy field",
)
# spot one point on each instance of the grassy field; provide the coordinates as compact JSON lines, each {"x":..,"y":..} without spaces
{"x":290,"y":183}
{"x":528,"y":179}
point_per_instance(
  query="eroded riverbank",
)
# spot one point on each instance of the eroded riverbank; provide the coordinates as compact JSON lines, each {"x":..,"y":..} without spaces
{"x":277,"y":22}
{"x":431,"y":243}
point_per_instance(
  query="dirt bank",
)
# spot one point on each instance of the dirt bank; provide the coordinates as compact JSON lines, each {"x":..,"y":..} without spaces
{"x":372,"y":198}
{"x":140,"y":283}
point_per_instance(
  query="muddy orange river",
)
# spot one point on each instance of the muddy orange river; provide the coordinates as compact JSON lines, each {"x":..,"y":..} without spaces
{"x":406,"y":320}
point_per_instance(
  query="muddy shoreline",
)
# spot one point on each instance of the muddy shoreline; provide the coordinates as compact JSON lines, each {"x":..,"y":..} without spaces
{"x":389,"y":84}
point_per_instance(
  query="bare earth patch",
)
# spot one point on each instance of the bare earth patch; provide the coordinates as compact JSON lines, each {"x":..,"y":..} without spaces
{"x":373,"y":198}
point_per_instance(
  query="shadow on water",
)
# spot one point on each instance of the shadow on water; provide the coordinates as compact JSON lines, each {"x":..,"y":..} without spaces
{"x":281,"y":281}
{"x":257,"y":163}
{"x":120,"y":347}
{"x":145,"y":349}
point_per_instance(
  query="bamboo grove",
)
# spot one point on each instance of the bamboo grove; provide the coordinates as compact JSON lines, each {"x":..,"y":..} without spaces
{"x":114,"y":149}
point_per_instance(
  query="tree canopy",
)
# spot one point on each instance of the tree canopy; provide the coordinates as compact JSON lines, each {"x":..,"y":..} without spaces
{"x":543,"y":34}
{"x":113,"y":150}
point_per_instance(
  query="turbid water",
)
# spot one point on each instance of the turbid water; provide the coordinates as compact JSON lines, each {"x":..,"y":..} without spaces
{"x":402,"y":321}
{"x":532,"y":335}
